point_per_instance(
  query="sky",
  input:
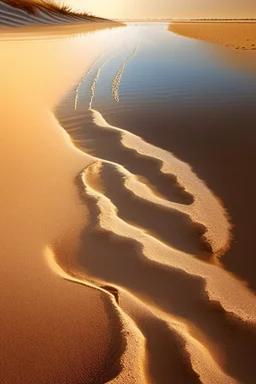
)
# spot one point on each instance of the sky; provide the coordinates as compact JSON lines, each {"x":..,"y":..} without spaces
{"x":166,"y":8}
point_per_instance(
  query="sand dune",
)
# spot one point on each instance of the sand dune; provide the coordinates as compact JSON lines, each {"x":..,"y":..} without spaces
{"x":233,"y":35}
{"x":14,"y":16}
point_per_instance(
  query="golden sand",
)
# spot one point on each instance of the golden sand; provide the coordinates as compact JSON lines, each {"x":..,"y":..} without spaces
{"x":51,"y":330}
{"x":233,"y":35}
{"x":101,"y":278}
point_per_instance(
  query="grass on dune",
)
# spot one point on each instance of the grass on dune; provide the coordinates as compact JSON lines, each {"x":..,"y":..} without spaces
{"x":31,"y":6}
{"x":23,"y":4}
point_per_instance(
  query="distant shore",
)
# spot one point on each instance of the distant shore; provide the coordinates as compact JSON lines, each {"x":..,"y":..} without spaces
{"x":188,"y":20}
{"x":236,"y":35}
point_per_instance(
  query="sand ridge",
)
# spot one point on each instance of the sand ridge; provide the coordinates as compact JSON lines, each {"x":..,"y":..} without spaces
{"x":148,"y":262}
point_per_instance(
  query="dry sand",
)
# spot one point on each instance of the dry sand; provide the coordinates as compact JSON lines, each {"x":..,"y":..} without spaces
{"x":233,"y":35}
{"x":51,"y":330}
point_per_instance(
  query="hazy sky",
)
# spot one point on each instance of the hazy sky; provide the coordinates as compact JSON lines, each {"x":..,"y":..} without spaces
{"x":167,"y":8}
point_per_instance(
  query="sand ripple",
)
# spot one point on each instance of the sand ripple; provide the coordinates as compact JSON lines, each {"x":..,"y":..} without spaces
{"x":154,"y":241}
{"x":146,"y":247}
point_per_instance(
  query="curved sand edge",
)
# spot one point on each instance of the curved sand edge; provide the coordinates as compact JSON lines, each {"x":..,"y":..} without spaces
{"x":129,"y":268}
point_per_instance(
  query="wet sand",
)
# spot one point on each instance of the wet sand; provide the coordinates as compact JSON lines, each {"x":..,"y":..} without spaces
{"x":234,"y":151}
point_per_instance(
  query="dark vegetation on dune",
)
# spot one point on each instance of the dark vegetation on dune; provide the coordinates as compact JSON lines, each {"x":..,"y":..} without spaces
{"x":31,"y":7}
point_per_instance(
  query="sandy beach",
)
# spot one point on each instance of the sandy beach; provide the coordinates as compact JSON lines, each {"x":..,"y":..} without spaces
{"x":52,"y":330}
{"x":241,"y":36}
{"x":118,"y":261}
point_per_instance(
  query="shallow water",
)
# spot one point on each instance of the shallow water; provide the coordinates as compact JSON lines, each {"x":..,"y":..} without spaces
{"x":194,"y":99}
{"x":170,"y":121}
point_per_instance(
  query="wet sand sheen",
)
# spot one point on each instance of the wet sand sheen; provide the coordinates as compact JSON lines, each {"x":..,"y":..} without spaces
{"x":145,"y":264}
{"x":128,"y":268}
{"x":207,"y":119}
